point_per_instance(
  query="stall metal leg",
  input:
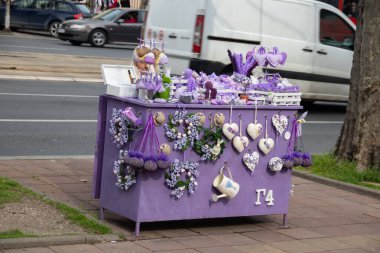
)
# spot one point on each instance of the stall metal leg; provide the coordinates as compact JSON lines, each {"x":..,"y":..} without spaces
{"x":101,"y":213}
{"x":137,"y":228}
{"x":284,"y":221}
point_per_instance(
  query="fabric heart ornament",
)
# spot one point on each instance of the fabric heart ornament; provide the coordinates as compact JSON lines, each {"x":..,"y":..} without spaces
{"x":229,"y":130}
{"x":275,"y":164}
{"x":274,"y":58}
{"x":240,"y":143}
{"x":266,"y":145}
{"x":280,"y":123}
{"x":251,"y":160}
{"x":261,"y":56}
{"x":254,"y":130}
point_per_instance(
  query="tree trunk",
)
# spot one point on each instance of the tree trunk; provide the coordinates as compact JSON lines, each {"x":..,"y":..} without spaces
{"x":359,"y":139}
{"x":7,"y":23}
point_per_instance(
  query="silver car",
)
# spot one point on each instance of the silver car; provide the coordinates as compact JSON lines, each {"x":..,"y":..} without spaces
{"x":120,"y":25}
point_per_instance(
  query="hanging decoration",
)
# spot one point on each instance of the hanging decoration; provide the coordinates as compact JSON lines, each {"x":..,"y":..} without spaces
{"x":299,"y":157}
{"x":266,"y":144}
{"x":251,"y":159}
{"x":240,"y":142}
{"x":191,"y":126}
{"x":211,"y":145}
{"x":230,"y":129}
{"x":280,"y":123}
{"x":149,"y":156}
{"x":255,"y":129}
{"x":225,"y":185}
{"x":187,"y":183}
{"x":125,"y":174}
{"x":122,"y":127}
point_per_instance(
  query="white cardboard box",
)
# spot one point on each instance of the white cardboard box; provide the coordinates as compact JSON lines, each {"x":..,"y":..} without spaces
{"x":118,"y":80}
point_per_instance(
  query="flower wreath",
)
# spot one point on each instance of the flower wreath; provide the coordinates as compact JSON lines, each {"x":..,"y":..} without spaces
{"x":174,"y":173}
{"x":211,"y":145}
{"x":125,"y":174}
{"x":192,"y":126}
{"x":121,"y":128}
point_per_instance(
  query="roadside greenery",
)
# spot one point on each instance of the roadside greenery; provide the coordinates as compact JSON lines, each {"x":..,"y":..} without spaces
{"x":14,"y":234}
{"x":11,"y":191}
{"x":326,"y":165}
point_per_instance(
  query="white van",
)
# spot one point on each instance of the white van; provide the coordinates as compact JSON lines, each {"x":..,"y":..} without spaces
{"x":317,"y":37}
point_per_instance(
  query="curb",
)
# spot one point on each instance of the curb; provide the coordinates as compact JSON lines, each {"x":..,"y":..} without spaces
{"x":30,"y":242}
{"x":337,"y":184}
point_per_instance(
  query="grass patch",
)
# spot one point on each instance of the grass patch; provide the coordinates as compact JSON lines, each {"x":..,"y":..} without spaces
{"x":326,"y":165}
{"x":77,"y":217}
{"x":14,"y":234}
{"x":11,"y":191}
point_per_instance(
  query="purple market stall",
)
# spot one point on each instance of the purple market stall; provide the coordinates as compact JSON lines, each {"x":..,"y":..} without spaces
{"x":208,"y":149}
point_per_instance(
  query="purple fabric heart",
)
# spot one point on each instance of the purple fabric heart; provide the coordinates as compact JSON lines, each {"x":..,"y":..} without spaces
{"x":274,"y":58}
{"x":260,"y":56}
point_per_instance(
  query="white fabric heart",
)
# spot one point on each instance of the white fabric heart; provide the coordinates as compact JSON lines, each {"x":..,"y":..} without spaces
{"x":251,"y":160}
{"x":280,"y":123}
{"x":240,"y":143}
{"x":266,"y":145}
{"x":275,"y":164}
{"x":229,"y":130}
{"x":254,"y":130}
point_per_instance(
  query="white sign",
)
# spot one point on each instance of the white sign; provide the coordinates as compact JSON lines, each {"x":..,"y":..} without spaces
{"x":268,"y":197}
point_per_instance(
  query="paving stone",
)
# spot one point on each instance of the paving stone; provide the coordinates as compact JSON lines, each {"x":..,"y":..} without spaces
{"x":353,"y":250}
{"x":198,"y":241}
{"x":360,"y":241}
{"x":327,"y":243}
{"x":78,"y":187}
{"x":360,"y":229}
{"x":299,"y":233}
{"x":267,"y":236}
{"x":307,"y":222}
{"x":161,"y":244}
{"x":211,"y":230}
{"x":244,"y":228}
{"x":331,"y":231}
{"x":258,"y":248}
{"x":77,"y":248}
{"x":233,"y":239}
{"x":58,"y":179}
{"x":180,"y":251}
{"x":220,"y":249}
{"x":270,"y":225}
{"x":30,"y":250}
{"x":121,"y":247}
{"x":176,"y":232}
{"x":295,"y":246}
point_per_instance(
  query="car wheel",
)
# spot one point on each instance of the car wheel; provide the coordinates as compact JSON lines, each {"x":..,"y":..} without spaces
{"x":53,"y":28}
{"x":75,"y":43}
{"x":98,"y":38}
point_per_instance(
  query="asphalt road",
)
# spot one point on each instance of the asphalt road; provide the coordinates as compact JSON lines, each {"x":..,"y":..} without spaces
{"x":33,"y":43}
{"x":48,"y":118}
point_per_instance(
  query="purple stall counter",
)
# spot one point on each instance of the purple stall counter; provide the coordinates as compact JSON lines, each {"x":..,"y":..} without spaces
{"x":262,"y":192}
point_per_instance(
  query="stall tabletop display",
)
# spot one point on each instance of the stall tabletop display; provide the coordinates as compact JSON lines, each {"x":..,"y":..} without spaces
{"x":197,"y":146}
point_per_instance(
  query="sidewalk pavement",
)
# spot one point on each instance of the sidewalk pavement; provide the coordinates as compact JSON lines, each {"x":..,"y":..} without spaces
{"x":321,"y":218}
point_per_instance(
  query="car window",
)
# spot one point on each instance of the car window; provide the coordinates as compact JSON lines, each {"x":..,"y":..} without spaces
{"x":334,"y":31}
{"x":130,"y":17}
{"x":109,"y":14}
{"x":142,"y":16}
{"x":23,"y":3}
{"x":42,"y":4}
{"x":61,"y":6}
{"x":83,"y":8}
